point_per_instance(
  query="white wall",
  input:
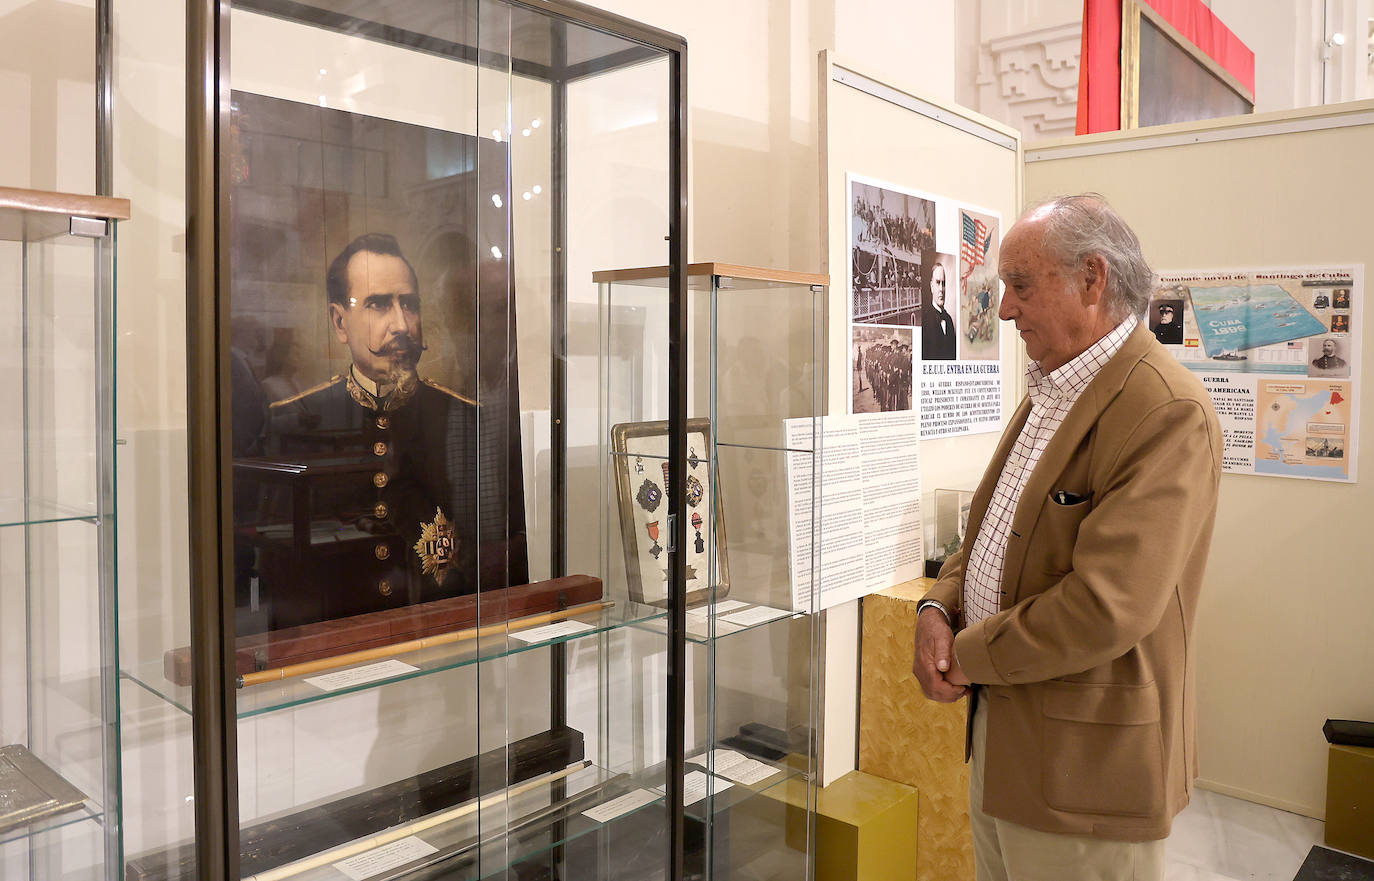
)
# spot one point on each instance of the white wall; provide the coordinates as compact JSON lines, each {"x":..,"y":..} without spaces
{"x":47,"y":94}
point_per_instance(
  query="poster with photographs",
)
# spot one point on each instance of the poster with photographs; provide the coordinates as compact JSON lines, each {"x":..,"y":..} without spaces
{"x":923,"y":295}
{"x":1279,"y":351}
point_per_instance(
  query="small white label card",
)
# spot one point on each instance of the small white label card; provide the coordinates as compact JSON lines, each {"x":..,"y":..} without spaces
{"x":630,"y":801}
{"x":695,"y":787}
{"x":718,"y":608}
{"x":551,"y":631}
{"x":740,"y":768}
{"x":756,"y":615}
{"x":388,"y":856}
{"x":360,"y":675}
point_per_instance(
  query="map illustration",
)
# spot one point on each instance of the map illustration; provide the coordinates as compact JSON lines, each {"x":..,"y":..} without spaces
{"x":1303,"y":429}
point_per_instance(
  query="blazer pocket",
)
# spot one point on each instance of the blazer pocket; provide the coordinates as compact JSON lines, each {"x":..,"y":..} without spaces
{"x":1059,"y":524}
{"x":1104,"y":751}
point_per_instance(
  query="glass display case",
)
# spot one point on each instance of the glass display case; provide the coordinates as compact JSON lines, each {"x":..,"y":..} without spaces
{"x":411,"y":652}
{"x":59,"y":744}
{"x":951,"y":519}
{"x":755,"y":350}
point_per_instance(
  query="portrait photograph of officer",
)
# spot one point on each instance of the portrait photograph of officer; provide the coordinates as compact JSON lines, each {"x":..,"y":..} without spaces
{"x":378,"y":452}
{"x":1328,"y":357}
{"x":1166,"y":321}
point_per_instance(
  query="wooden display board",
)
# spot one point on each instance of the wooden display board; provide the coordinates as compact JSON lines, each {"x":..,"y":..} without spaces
{"x":1283,"y":623}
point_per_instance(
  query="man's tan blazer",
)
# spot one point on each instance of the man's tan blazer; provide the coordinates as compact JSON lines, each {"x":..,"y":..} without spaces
{"x":1087,"y":670}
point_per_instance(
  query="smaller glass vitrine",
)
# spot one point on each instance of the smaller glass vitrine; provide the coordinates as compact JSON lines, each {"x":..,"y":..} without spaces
{"x":951,"y":519}
{"x":59,"y":793}
{"x":755,"y":350}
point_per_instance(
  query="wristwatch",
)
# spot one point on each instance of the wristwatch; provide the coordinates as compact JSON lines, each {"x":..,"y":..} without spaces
{"x":923,"y":604}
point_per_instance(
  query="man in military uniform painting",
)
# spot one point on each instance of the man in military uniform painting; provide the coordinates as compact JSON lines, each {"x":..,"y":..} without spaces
{"x":386,"y":462}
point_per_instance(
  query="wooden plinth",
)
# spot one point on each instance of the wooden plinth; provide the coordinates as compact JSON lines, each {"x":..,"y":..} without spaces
{"x":904,"y":737}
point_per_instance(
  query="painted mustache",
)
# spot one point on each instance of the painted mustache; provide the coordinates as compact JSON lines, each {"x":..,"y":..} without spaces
{"x":400,"y":346}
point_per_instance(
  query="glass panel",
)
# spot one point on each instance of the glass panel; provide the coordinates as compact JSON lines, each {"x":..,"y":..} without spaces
{"x":53,"y":680}
{"x":760,"y":651}
{"x":619,"y":367}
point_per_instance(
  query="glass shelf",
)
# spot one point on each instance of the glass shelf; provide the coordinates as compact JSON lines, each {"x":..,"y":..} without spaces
{"x":87,"y":813}
{"x":12,"y":512}
{"x":532,"y":825}
{"x":255,"y":700}
{"x":698,"y":625}
{"x":739,"y":793}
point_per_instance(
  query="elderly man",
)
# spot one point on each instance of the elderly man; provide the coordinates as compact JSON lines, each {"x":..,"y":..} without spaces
{"x":1068,"y":619}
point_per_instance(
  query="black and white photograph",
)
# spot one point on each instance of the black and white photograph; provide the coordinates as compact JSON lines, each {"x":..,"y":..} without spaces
{"x":881,"y":380}
{"x":1327,"y":356}
{"x":1166,"y":320}
{"x":890,"y":231}
{"x":1325,"y":447}
{"x":939,"y":334}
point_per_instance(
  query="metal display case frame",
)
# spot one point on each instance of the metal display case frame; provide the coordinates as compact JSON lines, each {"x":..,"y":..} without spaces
{"x":209,"y":418}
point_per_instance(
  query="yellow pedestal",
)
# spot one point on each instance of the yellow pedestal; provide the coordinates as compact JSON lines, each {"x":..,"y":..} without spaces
{"x":864,"y":827}
{"x":904,"y":737}
{"x":1350,"y":799}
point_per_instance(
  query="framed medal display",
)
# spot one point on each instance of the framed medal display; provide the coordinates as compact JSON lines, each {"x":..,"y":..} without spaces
{"x":640,"y":453}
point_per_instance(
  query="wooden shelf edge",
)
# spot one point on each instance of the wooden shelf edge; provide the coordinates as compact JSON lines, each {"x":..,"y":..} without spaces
{"x":41,"y":201}
{"x":732,"y":270}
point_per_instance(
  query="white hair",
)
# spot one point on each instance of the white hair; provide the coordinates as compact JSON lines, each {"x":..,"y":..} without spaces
{"x":1082,"y":226}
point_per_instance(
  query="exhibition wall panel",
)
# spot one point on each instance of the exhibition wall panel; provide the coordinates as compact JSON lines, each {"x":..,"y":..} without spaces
{"x":884,"y":131}
{"x":1282,"y":631}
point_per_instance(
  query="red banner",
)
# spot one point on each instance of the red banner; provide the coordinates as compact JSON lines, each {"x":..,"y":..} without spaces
{"x":1099,"y":68}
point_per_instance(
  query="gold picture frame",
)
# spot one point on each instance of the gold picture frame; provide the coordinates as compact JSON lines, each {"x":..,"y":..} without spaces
{"x":1136,"y":15}
{"x":636,"y":447}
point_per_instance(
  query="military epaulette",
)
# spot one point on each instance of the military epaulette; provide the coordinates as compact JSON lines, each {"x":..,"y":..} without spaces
{"x":450,"y":392}
{"x":310,"y":391}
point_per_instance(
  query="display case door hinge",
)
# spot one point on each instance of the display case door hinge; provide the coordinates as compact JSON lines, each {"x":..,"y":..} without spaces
{"x":88,"y":227}
{"x":672,"y":533}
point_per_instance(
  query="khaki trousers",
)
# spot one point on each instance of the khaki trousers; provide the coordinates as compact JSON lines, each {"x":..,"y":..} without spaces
{"x":1004,"y":851}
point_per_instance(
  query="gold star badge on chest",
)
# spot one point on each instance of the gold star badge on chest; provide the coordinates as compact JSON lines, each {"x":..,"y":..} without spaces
{"x":435,"y":546}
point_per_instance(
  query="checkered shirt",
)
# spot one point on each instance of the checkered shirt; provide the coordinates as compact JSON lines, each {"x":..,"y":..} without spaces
{"x":1052,"y":395}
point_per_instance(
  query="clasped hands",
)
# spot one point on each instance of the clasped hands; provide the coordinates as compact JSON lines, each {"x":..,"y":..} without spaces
{"x":935,"y":666}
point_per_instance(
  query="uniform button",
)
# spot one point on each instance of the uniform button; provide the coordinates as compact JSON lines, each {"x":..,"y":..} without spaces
{"x":379,"y":449}
{"x":380,"y":479}
{"x":381,"y":511}
{"x":382,"y":552}
{"x":384,"y":587}
{"x":383,"y":422}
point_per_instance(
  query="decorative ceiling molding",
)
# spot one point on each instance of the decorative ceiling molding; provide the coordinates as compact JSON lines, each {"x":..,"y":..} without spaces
{"x":1031,"y":79}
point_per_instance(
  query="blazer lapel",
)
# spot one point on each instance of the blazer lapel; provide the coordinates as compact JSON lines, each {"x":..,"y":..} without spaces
{"x":1081,"y":418}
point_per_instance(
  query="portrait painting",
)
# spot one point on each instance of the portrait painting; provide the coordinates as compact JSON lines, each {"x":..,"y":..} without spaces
{"x":376,"y":446}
